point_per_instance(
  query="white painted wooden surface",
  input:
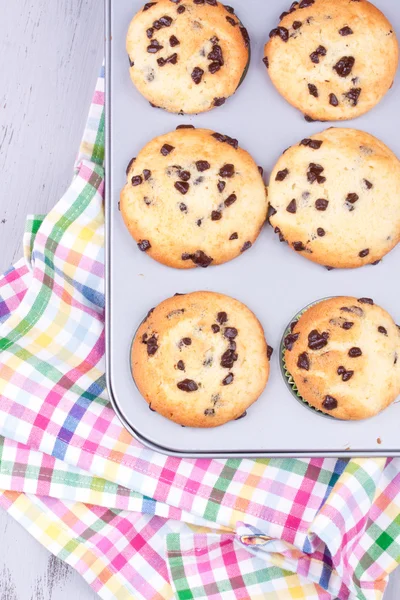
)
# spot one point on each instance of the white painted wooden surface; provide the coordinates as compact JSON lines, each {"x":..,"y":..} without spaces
{"x":50,"y":53}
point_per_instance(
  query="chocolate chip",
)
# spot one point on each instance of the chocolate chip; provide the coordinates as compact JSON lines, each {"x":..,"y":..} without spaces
{"x":266,"y":61}
{"x":229,"y":9}
{"x":355,"y":352}
{"x":330,"y":268}
{"x":320,"y":232}
{"x":347,"y":325}
{"x":131,"y":63}
{"x":226,"y":139}
{"x":166,"y":149}
{"x":137,"y":180}
{"x":228,"y":379}
{"x":216,"y":215}
{"x":230,"y":200}
{"x":330,"y":403}
{"x":221,"y":186}
{"x":216,"y":54}
{"x":182,"y":187}
{"x":227,"y":171}
{"x":353,"y":96}
{"x":368,"y":184}
{"x":154,"y":47}
{"x":271,"y":211}
{"x":382,"y":330}
{"x":376,"y":262}
{"x":128,"y":168}
{"x":165,"y":21}
{"x":222,"y":318}
{"x":181,"y":9}
{"x":292,"y":207}
{"x":184,"y":175}
{"x":173,"y":59}
{"x":148,"y":5}
{"x":321,"y":204}
{"x":202,"y":165}
{"x":199,"y":258}
{"x":346,"y":31}
{"x":197,"y":75}
{"x":219,"y":101}
{"x":209,"y":412}
{"x":314,"y":173}
{"x":231,"y":21}
{"x":173,"y":41}
{"x":333,"y":100}
{"x":303,"y":361}
{"x":352,"y":198}
{"x":152,"y":409}
{"x":290,"y":340}
{"x":353,"y":309}
{"x":242,"y":416}
{"x":309,"y":119}
{"x":246,"y":246}
{"x":150,"y":32}
{"x":234,"y":236}
{"x":270,"y":352}
{"x":281,"y":175}
{"x":183,"y":207}
{"x":181,"y":365}
{"x":144,"y":245}
{"x":187,"y":385}
{"x":320,"y":51}
{"x":228,"y":359}
{"x":363,"y":253}
{"x":317,"y":341}
{"x":366,"y":301}
{"x":282,"y":32}
{"x":296,"y":25}
{"x":186,"y":127}
{"x":245,"y":36}
{"x":230,"y":332}
{"x":344,"y":66}
{"x":306,"y":3}
{"x":152,"y":345}
{"x":187,"y":341}
{"x":215,"y":328}
{"x":214,"y":67}
{"x":283,"y":15}
{"x":313,"y":90}
{"x":299,"y":246}
{"x":314,"y":144}
{"x":261,"y":171}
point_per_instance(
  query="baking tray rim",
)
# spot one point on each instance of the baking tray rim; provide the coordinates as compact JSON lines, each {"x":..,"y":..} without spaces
{"x":107,"y":253}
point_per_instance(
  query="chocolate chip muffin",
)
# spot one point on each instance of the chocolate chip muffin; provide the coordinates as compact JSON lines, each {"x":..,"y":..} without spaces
{"x":344,"y":356}
{"x":335,"y":198}
{"x":187,"y":56}
{"x":200,"y":359}
{"x":333,"y":60}
{"x":194,"y":198}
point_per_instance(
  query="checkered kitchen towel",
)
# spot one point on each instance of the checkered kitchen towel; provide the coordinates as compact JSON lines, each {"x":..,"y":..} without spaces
{"x":137,"y":524}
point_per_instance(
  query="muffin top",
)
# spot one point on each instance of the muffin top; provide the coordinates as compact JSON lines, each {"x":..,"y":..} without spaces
{"x":344,"y":356}
{"x":194,"y":198}
{"x":200,"y":359}
{"x":335,"y":198}
{"x":187,"y":56}
{"x":332,"y":59}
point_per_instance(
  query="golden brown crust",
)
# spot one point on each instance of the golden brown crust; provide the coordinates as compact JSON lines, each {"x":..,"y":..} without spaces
{"x":207,"y":224}
{"x":360,"y":181}
{"x":328,"y":32}
{"x":183,"y":342}
{"x":366,"y":383}
{"x":194,"y":27}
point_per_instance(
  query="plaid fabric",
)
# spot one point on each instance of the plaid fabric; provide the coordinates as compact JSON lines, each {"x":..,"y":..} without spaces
{"x":134,"y":523}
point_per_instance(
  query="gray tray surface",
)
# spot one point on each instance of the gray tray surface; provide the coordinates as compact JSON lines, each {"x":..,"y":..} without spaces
{"x":270,"y":278}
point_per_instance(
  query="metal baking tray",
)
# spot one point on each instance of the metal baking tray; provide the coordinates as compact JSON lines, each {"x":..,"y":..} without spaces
{"x":271,"y":279}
